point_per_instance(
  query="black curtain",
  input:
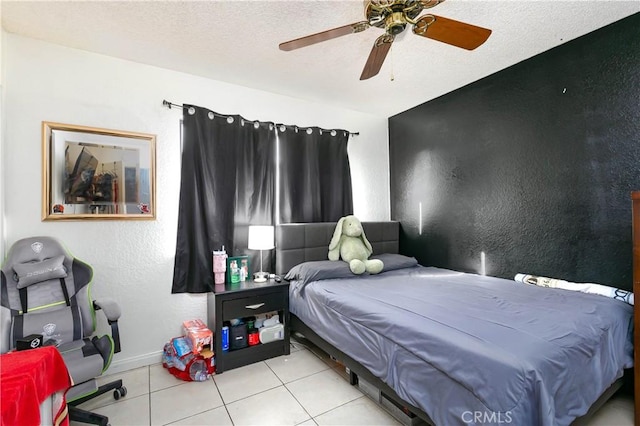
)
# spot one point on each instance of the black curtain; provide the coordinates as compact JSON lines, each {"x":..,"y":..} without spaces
{"x":315,"y":178}
{"x":228,"y":182}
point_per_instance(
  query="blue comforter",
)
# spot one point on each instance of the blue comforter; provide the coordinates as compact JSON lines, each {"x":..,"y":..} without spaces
{"x":470,"y":349}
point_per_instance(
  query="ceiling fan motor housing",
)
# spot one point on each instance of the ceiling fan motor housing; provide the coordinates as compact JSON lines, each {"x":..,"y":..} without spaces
{"x":393,"y":15}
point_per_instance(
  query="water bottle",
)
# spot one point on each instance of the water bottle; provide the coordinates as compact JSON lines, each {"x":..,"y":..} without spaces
{"x":225,"y":338}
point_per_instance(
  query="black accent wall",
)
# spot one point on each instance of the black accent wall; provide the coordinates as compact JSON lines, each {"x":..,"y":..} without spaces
{"x":533,"y":165}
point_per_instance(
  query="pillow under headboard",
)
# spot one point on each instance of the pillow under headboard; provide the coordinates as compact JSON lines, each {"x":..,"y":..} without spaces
{"x":303,"y":242}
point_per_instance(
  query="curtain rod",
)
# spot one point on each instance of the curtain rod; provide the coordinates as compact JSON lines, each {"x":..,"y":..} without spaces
{"x":171,"y":104}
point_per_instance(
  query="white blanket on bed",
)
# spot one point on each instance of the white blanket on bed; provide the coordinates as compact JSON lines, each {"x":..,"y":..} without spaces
{"x":602,"y":290}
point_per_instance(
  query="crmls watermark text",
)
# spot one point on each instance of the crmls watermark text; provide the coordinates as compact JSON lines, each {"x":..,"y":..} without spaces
{"x":482,"y":417}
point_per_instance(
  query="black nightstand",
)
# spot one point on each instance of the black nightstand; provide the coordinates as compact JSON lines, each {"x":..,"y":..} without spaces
{"x":241,"y":300}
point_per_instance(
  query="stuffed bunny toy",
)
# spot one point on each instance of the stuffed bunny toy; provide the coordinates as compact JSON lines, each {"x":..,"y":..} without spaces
{"x":350,"y":243}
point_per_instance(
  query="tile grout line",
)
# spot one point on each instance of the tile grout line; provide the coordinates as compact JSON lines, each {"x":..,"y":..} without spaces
{"x":329,"y":367}
{"x":282,"y":384}
{"x":202,"y":412}
{"x":149,"y":393}
{"x":224,"y":404}
{"x":338,"y":406}
{"x":299,"y":403}
{"x":253,"y":394}
{"x":310,"y":375}
{"x":302,"y":377}
{"x":306,"y":377}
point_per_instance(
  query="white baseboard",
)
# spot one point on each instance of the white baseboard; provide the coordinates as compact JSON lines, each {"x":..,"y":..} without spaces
{"x":121,"y":365}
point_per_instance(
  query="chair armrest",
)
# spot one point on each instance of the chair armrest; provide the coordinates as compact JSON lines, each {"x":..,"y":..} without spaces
{"x":111,"y":310}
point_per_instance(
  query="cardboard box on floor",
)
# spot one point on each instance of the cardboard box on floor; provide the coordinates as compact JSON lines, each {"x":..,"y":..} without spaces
{"x":196,"y":331}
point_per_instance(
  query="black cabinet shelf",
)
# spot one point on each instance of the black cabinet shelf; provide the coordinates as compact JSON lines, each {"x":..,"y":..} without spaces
{"x":251,"y":354}
{"x":246,"y":299}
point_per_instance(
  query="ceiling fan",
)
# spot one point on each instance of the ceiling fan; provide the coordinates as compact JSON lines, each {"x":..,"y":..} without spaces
{"x":393,"y":16}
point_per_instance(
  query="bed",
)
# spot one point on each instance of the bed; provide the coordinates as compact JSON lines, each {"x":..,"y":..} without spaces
{"x":452,"y":347}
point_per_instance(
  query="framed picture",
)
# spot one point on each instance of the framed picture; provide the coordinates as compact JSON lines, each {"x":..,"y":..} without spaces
{"x":93,"y":173}
{"x":238,"y":269}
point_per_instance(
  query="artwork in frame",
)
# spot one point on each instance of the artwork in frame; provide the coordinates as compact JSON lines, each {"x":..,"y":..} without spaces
{"x":238,"y":269}
{"x":95,"y":173}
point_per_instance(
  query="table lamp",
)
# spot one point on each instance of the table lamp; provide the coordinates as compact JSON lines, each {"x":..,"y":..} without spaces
{"x":261,"y":238}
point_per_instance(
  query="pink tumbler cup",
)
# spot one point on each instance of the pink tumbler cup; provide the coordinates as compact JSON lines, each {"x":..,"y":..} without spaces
{"x":219,"y":265}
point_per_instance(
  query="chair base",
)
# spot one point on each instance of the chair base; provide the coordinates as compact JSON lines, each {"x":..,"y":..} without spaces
{"x":84,"y":416}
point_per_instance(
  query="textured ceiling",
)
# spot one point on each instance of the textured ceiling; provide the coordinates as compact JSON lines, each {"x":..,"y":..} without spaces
{"x":237,"y":42}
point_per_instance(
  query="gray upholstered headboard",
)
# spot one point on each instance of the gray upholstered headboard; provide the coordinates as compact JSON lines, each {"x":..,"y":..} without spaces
{"x":303,"y":242}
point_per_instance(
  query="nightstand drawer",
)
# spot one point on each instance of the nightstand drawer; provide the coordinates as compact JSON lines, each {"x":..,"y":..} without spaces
{"x":248,"y":306}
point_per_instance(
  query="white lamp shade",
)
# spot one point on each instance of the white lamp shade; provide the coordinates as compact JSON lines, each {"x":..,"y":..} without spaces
{"x":261,"y":237}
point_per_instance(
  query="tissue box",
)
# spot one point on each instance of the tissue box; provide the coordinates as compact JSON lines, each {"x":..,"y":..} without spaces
{"x":200,"y":336}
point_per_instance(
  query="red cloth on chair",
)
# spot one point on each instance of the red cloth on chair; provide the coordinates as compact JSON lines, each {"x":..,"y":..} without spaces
{"x":28,"y":378}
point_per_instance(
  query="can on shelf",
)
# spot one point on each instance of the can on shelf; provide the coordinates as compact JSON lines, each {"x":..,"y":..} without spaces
{"x":254,"y":337}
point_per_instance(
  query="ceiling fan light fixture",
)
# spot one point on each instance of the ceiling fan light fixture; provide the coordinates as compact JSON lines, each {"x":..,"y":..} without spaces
{"x":395,"y":23}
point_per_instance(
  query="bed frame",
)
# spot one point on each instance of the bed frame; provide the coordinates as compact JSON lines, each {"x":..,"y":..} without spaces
{"x":304,"y":242}
{"x":635,"y":209}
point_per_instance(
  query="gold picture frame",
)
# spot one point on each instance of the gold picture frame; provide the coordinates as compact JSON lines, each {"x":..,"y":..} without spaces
{"x":95,"y":173}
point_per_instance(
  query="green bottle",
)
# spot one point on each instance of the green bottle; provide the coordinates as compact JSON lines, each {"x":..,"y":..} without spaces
{"x":235,"y":272}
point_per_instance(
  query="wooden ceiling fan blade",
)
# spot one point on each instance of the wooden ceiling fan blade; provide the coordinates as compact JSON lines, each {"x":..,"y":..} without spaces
{"x":356,"y":27}
{"x":377,"y":56}
{"x":452,"y":32}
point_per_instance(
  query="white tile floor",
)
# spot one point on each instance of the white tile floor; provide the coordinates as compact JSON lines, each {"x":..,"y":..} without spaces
{"x":303,"y":388}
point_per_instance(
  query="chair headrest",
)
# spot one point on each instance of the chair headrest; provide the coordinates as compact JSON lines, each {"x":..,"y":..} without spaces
{"x":36,"y":259}
{"x":34,"y":249}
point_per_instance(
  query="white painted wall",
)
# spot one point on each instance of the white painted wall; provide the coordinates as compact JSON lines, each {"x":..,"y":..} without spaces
{"x":2,"y":166}
{"x":133,"y":260}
